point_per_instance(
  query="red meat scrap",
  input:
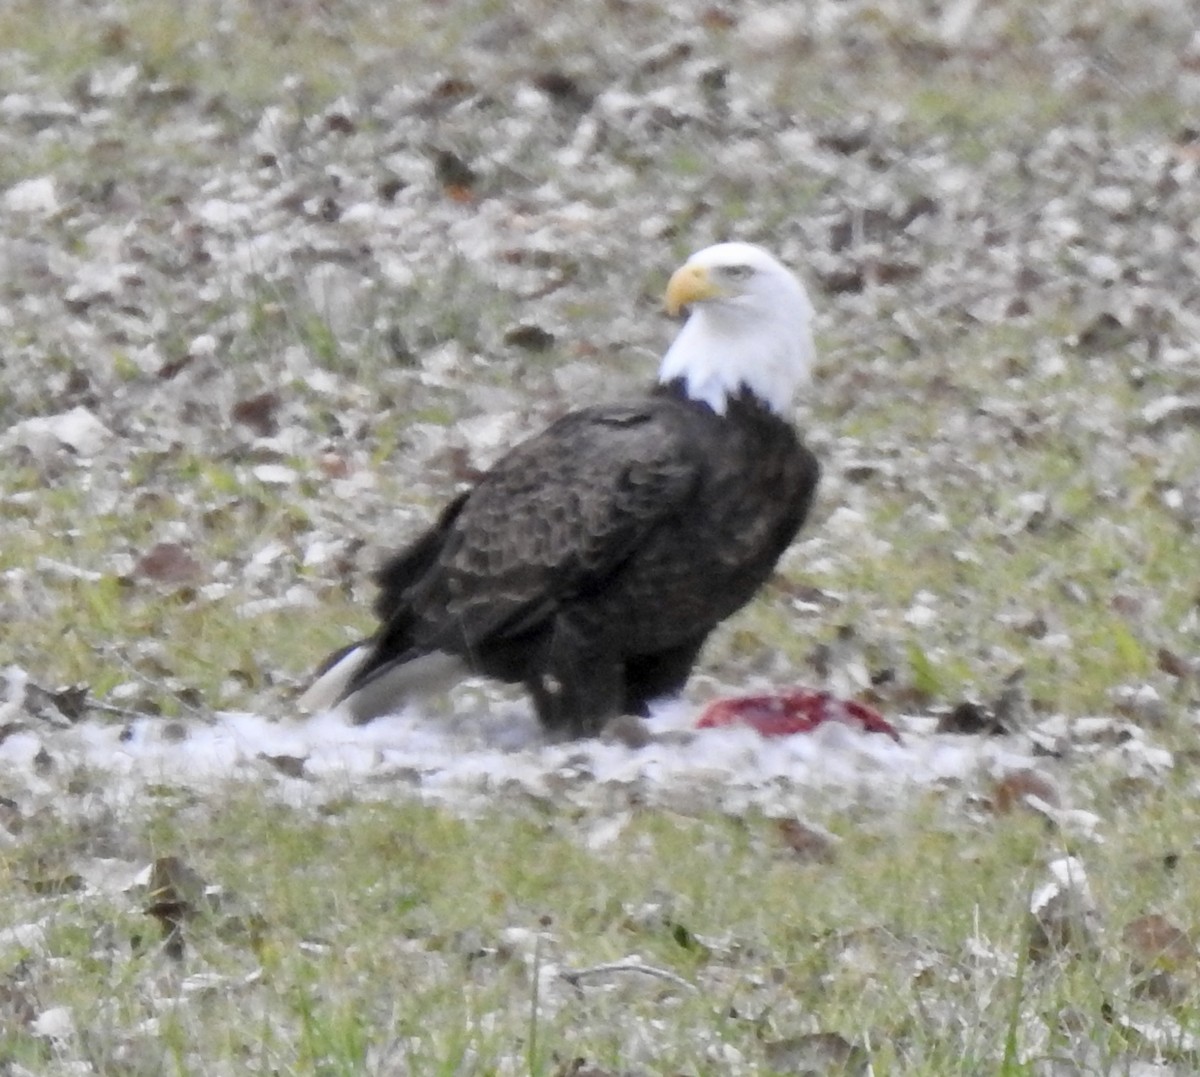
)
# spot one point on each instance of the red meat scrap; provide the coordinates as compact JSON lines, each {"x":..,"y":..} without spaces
{"x":800,"y":710}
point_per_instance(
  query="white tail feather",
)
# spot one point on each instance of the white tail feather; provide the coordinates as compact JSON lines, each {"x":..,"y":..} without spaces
{"x":327,"y":690}
{"x":385,"y":693}
{"x":388,"y":692}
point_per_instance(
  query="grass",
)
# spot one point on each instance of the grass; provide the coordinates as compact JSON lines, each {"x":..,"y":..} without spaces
{"x":374,"y":933}
{"x":399,"y":928}
{"x":177,"y":43}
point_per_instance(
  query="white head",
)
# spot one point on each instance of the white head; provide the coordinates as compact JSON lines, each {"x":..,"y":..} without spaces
{"x":750,"y":327}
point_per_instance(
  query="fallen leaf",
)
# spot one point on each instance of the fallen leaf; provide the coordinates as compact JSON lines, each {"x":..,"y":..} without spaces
{"x":55,"y":1024}
{"x":1011,"y":789}
{"x":63,"y":706}
{"x":581,"y":1067}
{"x":969,"y":718}
{"x":815,"y":1054}
{"x":1155,"y":942}
{"x":809,"y":843}
{"x":290,"y":765}
{"x":564,"y":89}
{"x":258,"y":413}
{"x":453,"y":89}
{"x":456,"y":177}
{"x":1170,"y":412}
{"x":1140,"y":703}
{"x":18,"y":1005}
{"x":1162,"y":1037}
{"x":531,"y":338}
{"x":275,"y":474}
{"x":34,"y":197}
{"x":55,"y":882}
{"x":78,"y":430}
{"x":1175,"y":665}
{"x":168,"y":562}
{"x":333,"y":466}
{"x":175,"y":893}
{"x":1063,"y":912}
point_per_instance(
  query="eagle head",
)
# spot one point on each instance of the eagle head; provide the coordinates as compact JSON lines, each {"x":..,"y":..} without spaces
{"x":749,"y":327}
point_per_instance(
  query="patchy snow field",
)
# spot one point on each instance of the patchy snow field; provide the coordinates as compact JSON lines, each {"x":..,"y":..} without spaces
{"x":488,"y":748}
{"x":256,"y":332}
{"x":277,"y":278}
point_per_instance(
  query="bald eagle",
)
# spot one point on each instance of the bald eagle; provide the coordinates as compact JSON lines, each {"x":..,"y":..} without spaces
{"x":592,"y":561}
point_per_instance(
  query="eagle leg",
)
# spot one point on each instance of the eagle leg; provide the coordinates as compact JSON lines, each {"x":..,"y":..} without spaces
{"x":575,"y":688}
{"x":655,"y":676}
{"x":581,"y":705}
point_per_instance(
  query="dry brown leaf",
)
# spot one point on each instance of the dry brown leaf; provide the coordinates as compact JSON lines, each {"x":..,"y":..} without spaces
{"x":1155,"y":942}
{"x":290,"y":765}
{"x":168,"y":562}
{"x":969,"y":718}
{"x":333,"y":465}
{"x":532,"y":338}
{"x":563,"y":88}
{"x":581,"y":1067}
{"x":815,"y":1054}
{"x":53,"y":880}
{"x":65,"y":705}
{"x":452,"y":89}
{"x":807,"y":842}
{"x":1012,"y":788}
{"x":258,"y":413}
{"x":10,"y":815}
{"x":1174,"y":664}
{"x":18,"y":1006}
{"x":175,"y":893}
{"x":456,"y":177}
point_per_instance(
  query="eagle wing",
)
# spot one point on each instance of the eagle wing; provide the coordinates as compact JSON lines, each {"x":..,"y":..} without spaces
{"x":553,"y":520}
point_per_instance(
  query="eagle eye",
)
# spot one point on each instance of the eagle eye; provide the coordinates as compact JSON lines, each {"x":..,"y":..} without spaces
{"x":737,"y":272}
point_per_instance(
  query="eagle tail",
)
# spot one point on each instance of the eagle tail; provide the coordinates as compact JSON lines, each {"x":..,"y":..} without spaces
{"x":334,"y":678}
{"x":350,"y":682}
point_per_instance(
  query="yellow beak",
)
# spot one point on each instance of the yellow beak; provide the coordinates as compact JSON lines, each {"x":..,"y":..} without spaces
{"x":688,"y":284}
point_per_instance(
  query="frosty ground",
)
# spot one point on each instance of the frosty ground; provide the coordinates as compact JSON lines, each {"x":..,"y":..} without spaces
{"x":276,"y":279}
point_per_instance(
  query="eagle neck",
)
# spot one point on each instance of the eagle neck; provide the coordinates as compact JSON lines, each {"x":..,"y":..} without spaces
{"x":720,"y":354}
{"x":740,"y":405}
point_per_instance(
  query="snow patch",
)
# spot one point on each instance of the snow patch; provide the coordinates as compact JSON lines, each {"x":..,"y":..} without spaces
{"x":496,"y":748}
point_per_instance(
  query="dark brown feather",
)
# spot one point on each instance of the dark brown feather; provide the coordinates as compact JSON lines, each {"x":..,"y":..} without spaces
{"x":591,"y":561}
